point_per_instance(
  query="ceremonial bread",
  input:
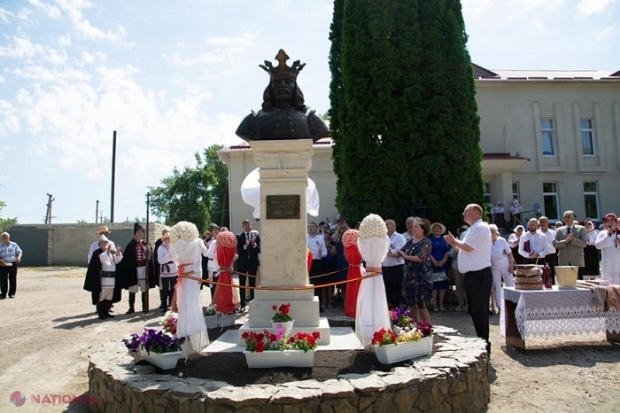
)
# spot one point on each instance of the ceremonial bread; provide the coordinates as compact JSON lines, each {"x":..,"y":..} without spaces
{"x":537,"y":286}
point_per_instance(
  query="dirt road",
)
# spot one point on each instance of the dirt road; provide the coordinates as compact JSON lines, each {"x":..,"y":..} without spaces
{"x":49,"y":328}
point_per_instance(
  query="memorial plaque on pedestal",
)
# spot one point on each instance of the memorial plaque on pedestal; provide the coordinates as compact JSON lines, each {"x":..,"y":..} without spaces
{"x":283,"y":206}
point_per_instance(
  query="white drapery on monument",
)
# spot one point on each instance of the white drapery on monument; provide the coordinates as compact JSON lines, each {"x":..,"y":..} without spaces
{"x":372,"y":312}
{"x":186,"y":249}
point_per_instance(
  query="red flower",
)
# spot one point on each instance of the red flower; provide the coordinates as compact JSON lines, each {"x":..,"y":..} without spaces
{"x":260,"y":346}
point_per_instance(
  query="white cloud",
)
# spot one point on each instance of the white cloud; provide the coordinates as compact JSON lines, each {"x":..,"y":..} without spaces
{"x":93,"y":57}
{"x":2,"y":79}
{"x":476,"y":7}
{"x":6,"y":15}
{"x":603,"y":34}
{"x":77,"y":119}
{"x":588,"y":7}
{"x":51,"y":11}
{"x":21,"y":48}
{"x":9,"y":119}
{"x":227,"y":51}
{"x":74,"y":8}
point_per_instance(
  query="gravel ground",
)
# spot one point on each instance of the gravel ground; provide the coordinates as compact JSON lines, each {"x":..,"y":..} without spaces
{"x":50,"y":327}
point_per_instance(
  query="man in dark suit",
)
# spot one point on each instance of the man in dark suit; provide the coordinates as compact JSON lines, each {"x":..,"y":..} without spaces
{"x":248,"y":248}
{"x":570,"y":240}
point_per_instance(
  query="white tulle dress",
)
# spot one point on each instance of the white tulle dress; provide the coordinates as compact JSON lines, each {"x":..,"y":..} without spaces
{"x":372,"y":308}
{"x":191,"y":322}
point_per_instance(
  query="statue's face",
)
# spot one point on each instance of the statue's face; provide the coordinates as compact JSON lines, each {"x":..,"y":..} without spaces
{"x":283,"y":87}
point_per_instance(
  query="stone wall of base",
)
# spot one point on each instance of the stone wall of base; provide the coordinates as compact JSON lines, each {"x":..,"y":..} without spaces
{"x":454,"y":379}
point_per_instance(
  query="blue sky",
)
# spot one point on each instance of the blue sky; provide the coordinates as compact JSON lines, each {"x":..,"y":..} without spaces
{"x":174,"y":77}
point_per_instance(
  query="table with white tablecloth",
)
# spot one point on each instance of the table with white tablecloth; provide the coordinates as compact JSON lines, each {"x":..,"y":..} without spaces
{"x":554,"y":312}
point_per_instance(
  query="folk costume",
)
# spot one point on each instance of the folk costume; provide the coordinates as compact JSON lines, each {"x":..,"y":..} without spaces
{"x":103,"y":230}
{"x":135,"y":271}
{"x":102,"y":279}
{"x":167,"y":274}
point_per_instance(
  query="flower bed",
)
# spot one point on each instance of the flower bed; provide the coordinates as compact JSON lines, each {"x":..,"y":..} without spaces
{"x":406,"y":340}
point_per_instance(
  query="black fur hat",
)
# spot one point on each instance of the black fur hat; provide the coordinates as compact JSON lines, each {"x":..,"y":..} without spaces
{"x":137,"y":227}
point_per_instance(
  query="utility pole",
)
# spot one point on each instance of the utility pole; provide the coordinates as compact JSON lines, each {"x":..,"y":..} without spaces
{"x":97,"y":212}
{"x":48,"y":213}
{"x":113,"y":175}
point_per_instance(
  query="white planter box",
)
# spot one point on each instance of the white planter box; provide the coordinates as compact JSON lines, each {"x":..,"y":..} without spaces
{"x":391,"y":353}
{"x":226,"y":320}
{"x":286,"y":358}
{"x":211,"y":321}
{"x":165,"y":361}
{"x":288,"y":326}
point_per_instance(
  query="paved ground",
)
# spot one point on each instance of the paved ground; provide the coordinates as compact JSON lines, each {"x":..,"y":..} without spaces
{"x":48,"y":330}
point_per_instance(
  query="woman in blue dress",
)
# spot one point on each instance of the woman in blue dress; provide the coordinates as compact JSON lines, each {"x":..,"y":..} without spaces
{"x":439,"y":259}
{"x":417,"y":284}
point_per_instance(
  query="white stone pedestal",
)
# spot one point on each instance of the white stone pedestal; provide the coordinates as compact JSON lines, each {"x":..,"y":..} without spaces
{"x":284,"y":166}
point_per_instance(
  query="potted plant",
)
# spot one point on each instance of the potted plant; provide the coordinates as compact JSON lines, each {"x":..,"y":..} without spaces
{"x":268,"y":350}
{"x":282,"y":318}
{"x":162,"y":349}
{"x":134,"y":346}
{"x":211,"y":315}
{"x":169,"y":323}
{"x":406,"y":340}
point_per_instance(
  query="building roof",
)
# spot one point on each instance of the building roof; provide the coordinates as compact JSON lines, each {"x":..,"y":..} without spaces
{"x":480,"y":73}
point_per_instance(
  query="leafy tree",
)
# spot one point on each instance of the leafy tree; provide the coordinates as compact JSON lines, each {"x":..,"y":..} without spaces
{"x":219,"y":192}
{"x":6,"y":222}
{"x":194,"y":194}
{"x":404,"y":116}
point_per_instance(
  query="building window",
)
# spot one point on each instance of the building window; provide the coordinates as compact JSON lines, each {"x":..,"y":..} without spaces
{"x":548,"y":137}
{"x":515,"y":190}
{"x":587,"y":137}
{"x":550,"y":197}
{"x":590,"y":198}
{"x":487,"y":194}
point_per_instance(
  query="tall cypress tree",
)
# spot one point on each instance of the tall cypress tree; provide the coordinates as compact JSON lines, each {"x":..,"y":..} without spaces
{"x":407,"y":127}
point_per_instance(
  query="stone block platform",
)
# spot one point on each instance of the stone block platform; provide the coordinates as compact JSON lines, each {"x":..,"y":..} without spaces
{"x":455,"y":378}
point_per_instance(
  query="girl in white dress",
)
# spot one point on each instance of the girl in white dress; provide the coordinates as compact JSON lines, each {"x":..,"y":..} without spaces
{"x":608,"y":242}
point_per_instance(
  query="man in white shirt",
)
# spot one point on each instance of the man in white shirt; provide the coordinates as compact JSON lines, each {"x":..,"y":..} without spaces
{"x":551,"y":257}
{"x":475,"y":264}
{"x":103,"y":230}
{"x":316,"y":245}
{"x":393,"y":265}
{"x":533,"y":244}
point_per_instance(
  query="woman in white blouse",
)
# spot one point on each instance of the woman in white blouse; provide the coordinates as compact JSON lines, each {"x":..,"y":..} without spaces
{"x":501,"y":266}
{"x":608,"y":241}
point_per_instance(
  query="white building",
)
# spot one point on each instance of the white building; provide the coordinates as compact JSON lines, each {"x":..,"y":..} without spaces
{"x":550,"y":139}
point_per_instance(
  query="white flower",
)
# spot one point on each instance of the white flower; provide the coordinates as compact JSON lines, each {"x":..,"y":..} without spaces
{"x":183,"y":230}
{"x":373,"y":226}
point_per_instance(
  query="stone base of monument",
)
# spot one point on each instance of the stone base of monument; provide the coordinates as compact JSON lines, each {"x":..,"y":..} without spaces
{"x":454,"y":378}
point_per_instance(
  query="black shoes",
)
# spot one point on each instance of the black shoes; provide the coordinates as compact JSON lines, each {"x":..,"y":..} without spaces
{"x":130,"y":311}
{"x":2,"y":297}
{"x":11,"y":296}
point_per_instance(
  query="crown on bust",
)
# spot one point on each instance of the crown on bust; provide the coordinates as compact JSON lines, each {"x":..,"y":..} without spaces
{"x":283,"y":68}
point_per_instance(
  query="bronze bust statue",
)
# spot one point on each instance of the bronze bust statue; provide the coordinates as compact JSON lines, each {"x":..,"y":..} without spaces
{"x":283,"y":114}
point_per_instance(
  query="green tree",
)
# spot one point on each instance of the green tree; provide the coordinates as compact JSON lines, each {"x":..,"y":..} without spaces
{"x":404,"y":116}
{"x":194,"y":194}
{"x":219,"y":191}
{"x":6,"y":222}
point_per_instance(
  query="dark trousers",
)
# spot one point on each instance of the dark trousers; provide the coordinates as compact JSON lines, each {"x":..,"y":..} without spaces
{"x":247,"y":268}
{"x":393,"y":280}
{"x":8,"y":280}
{"x":167,"y":290}
{"x":478,"y":290}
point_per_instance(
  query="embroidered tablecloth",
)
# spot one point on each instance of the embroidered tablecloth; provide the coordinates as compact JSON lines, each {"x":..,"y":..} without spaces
{"x":557,"y":312}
